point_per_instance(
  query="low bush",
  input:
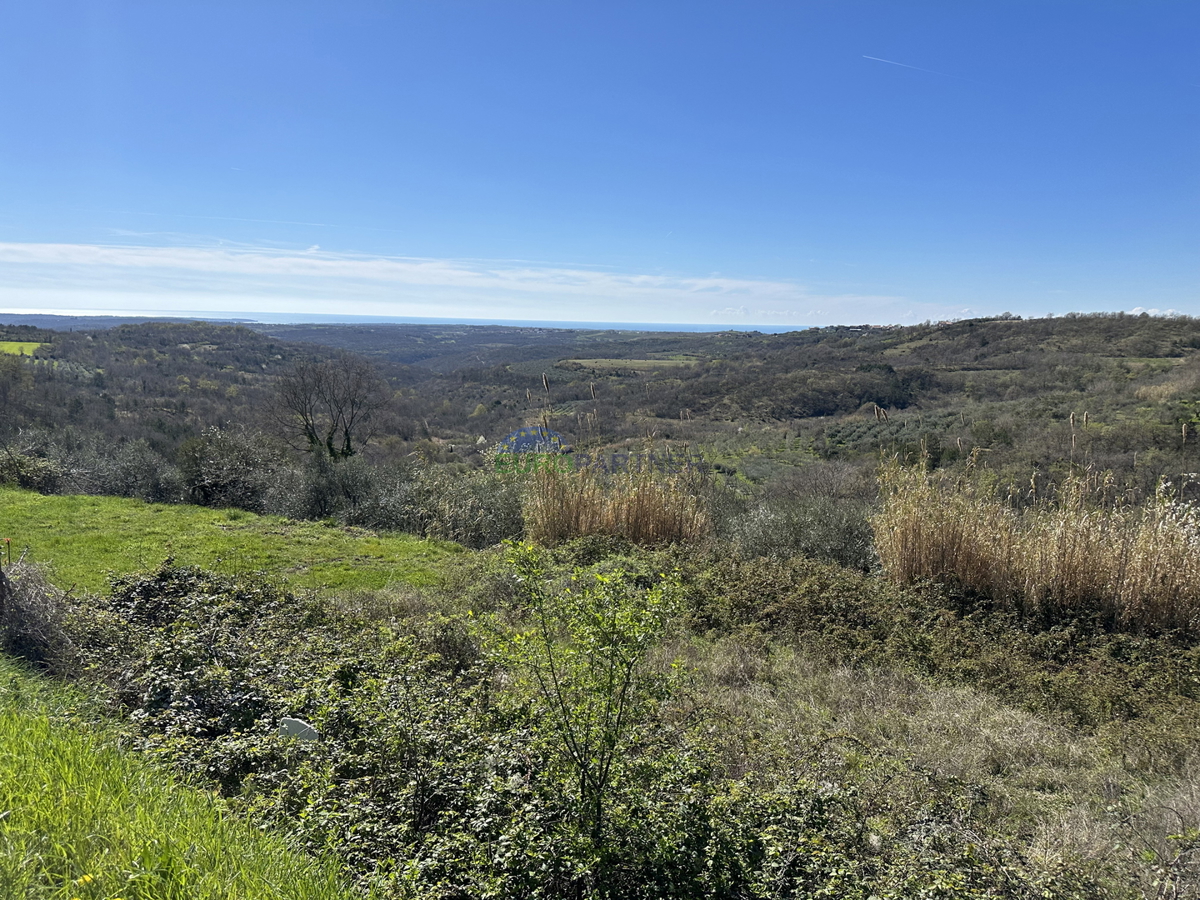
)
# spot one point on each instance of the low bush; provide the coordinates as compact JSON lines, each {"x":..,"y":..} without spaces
{"x":67,"y":461}
{"x":817,"y":527}
{"x":821,"y":511}
{"x":33,"y":617}
{"x":476,"y":509}
{"x":134,"y":469}
{"x":324,"y":488}
{"x":30,"y":472}
{"x":228,"y":467}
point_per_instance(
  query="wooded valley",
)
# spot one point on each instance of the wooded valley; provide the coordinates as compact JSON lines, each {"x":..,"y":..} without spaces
{"x":920,"y":616}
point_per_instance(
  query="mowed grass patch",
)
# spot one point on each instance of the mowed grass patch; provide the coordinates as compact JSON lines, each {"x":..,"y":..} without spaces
{"x":84,"y":539}
{"x":82,"y":818}
{"x":19,"y":348}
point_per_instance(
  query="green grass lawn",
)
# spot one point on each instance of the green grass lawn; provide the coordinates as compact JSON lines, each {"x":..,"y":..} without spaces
{"x":81,"y":818}
{"x":84,"y":539}
{"x":19,"y":348}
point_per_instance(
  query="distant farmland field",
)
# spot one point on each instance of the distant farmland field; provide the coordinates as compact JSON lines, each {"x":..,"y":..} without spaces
{"x":19,"y":348}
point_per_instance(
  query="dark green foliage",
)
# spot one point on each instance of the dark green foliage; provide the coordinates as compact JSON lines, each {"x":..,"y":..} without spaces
{"x":451,"y":775}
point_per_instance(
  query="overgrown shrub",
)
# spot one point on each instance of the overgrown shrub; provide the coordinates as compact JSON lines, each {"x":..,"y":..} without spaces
{"x":34,"y":617}
{"x":70,"y":462}
{"x":1140,"y":695}
{"x":475,"y":508}
{"x":135,"y":469}
{"x":325,"y":488}
{"x":229,"y":467}
{"x":30,"y":472}
{"x":820,"y":511}
{"x":817,"y":527}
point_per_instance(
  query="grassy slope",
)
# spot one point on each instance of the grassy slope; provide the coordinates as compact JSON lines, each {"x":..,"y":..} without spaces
{"x":83,"y":539}
{"x":83,"y":819}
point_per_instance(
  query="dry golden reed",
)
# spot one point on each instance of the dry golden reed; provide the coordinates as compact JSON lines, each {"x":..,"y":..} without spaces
{"x":643,"y":507}
{"x":1082,"y":551}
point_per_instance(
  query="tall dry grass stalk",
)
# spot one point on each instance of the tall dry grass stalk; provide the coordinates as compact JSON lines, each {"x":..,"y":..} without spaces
{"x":645,"y":508}
{"x":1080,"y":551}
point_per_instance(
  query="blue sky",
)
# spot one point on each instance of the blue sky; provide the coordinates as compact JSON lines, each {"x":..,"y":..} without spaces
{"x":728,"y":163}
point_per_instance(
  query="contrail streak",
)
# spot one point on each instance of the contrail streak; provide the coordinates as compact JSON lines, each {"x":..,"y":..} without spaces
{"x":892,"y":62}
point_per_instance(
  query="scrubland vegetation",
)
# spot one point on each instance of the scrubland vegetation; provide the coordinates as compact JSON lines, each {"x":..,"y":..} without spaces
{"x":925,"y":626}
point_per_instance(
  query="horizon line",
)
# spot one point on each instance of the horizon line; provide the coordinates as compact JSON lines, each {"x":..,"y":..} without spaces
{"x":269,"y":318}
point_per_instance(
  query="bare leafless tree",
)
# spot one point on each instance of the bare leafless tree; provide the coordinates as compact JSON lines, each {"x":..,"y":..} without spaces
{"x":329,"y":405}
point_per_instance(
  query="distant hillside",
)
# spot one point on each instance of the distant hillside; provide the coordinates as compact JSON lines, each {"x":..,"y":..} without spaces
{"x":760,"y":404}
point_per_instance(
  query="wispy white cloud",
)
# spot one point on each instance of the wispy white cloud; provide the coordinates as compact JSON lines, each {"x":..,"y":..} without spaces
{"x":225,"y":279}
{"x":1138,"y":310}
